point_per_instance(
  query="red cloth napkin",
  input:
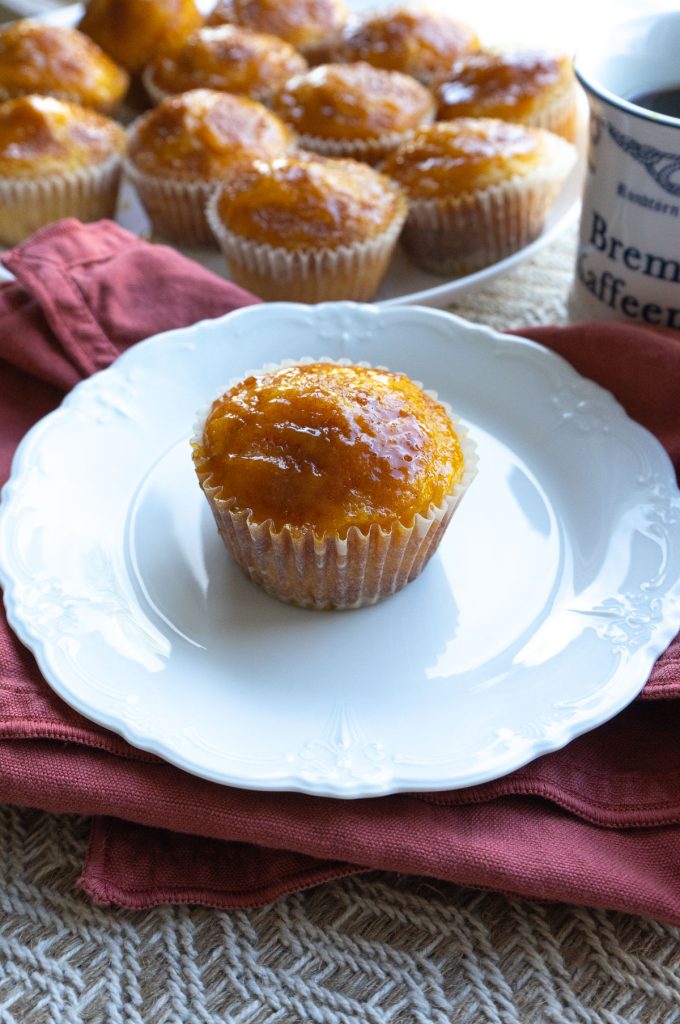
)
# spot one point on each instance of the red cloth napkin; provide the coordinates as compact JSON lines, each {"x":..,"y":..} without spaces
{"x":597,"y":823}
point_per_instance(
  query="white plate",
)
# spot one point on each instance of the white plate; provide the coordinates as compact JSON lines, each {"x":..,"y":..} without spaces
{"x":555,"y":588}
{"x":404,"y":282}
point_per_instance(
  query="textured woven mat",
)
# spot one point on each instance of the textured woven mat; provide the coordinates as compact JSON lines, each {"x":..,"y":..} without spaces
{"x":379,"y":949}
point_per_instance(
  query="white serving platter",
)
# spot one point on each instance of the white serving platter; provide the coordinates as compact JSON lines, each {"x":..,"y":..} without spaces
{"x":540,"y":616}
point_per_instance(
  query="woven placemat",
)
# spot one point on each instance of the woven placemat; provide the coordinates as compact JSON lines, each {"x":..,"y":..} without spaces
{"x":379,"y":949}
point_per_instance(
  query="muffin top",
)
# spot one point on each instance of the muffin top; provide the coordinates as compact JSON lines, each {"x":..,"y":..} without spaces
{"x":58,"y":61}
{"x":42,"y":135}
{"x":329,"y":447}
{"x":305,"y":24}
{"x":228,"y":58}
{"x":353,"y":101}
{"x":202,"y":133}
{"x":419,"y":43}
{"x":468,"y":154}
{"x":299,"y":202}
{"x":512,"y":86}
{"x":134,"y":31}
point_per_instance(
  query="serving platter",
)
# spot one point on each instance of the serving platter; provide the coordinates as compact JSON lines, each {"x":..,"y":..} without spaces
{"x":540,"y":616}
{"x":404,"y":282}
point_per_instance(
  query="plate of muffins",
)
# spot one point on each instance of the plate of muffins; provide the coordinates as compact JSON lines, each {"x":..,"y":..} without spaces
{"x":306,"y":151}
{"x":290,"y":549}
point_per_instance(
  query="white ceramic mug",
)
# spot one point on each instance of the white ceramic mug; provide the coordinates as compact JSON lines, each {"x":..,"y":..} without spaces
{"x":628,"y":262}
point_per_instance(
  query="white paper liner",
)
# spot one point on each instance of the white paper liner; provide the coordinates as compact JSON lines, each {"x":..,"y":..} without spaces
{"x":310,"y":275}
{"x":370,"y":151}
{"x":329,"y":572}
{"x":460,"y":235}
{"x":559,"y":116}
{"x":175,"y":208}
{"x":27,"y":204}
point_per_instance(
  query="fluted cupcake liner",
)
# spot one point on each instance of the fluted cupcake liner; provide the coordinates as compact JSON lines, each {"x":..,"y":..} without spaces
{"x":370,"y":151}
{"x":559,"y":116}
{"x":295,"y":565}
{"x":88,"y":194}
{"x":175,"y":208}
{"x":309,"y":275}
{"x":462,"y":234}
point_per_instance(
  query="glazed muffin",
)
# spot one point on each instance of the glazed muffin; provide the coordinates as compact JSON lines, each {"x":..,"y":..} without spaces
{"x":354,"y":110}
{"x":57,"y":160}
{"x":309,"y":25}
{"x":418,"y":43}
{"x":478,"y":188}
{"x":533,"y":87}
{"x":308,"y":229}
{"x":331,"y":484}
{"x":183,"y":148}
{"x":55,"y":61}
{"x":135,"y":31}
{"x":227,"y":58}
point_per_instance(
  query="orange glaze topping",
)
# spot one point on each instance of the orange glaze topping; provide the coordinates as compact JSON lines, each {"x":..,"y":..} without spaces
{"x":135,"y":31}
{"x":299,"y":203}
{"x":452,"y":157}
{"x":58,"y":61}
{"x":508,"y":85}
{"x":419,"y":43}
{"x":42,"y":135}
{"x":302,"y":23}
{"x":202,"y":133}
{"x":329,"y":447}
{"x":353,"y":101}
{"x":229,"y":58}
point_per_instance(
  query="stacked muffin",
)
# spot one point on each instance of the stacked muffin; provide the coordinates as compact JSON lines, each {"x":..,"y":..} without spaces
{"x":303,"y":141}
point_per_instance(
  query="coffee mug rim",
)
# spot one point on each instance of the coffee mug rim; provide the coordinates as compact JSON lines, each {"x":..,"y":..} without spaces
{"x":591,"y":83}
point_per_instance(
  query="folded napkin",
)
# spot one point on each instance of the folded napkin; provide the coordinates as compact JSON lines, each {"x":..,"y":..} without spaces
{"x":597,"y":823}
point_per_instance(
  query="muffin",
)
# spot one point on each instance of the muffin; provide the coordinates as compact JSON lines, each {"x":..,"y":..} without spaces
{"x":183,"y":148}
{"x":57,"y":160}
{"x":331,"y":484}
{"x":354,"y":110}
{"x":478,"y":188}
{"x":418,"y":43}
{"x":56,"y":61}
{"x":310,"y":26}
{"x":227,"y":58}
{"x":135,"y":31}
{"x":533,"y":87}
{"x":308,"y":230}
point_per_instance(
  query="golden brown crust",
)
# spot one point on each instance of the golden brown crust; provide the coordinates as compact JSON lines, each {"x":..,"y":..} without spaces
{"x":418,"y":43}
{"x":299,"y":202}
{"x":40,"y":135}
{"x":135,"y":31}
{"x":328,"y":447}
{"x":353,"y":102}
{"x":198,"y":135}
{"x":228,"y":58}
{"x":469,"y":154}
{"x":512,"y":86}
{"x":305,"y":24}
{"x":56,"y":61}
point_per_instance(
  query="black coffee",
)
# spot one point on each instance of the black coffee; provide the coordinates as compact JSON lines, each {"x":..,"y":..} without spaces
{"x":661,"y":101}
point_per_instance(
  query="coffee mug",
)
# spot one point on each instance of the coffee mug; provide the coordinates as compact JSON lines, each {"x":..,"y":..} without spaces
{"x":628,"y":260}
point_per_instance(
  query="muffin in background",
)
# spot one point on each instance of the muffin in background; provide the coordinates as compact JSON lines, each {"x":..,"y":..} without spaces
{"x":479,"y":189}
{"x":135,"y":31}
{"x":52,"y":60}
{"x":420,"y":43}
{"x":308,"y":229}
{"x":535,"y":87}
{"x":182,"y":149}
{"x":330,"y":483}
{"x":354,"y":110}
{"x":227,"y":58}
{"x":311,"y":26}
{"x":57,"y":160}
